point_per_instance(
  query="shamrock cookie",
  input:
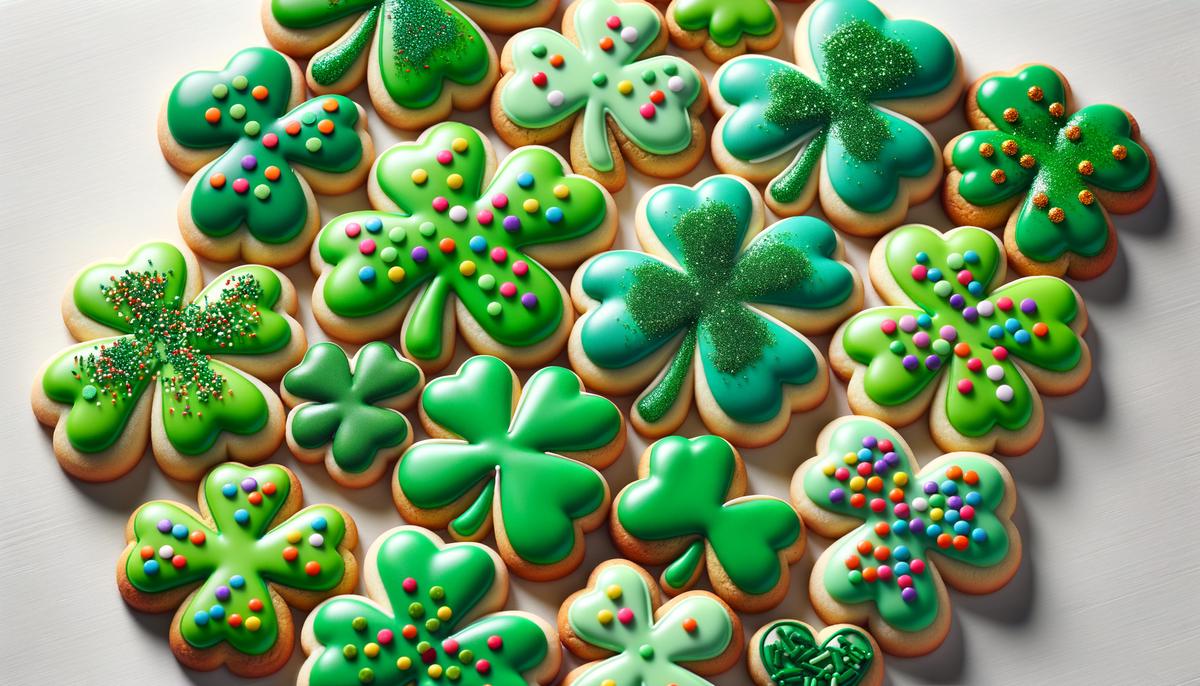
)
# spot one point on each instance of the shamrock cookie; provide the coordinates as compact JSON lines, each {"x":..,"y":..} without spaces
{"x":904,"y":533}
{"x":346,"y":412}
{"x":951,"y":339}
{"x":716,"y":303}
{"x":787,"y":652}
{"x":841,"y":120}
{"x":598,"y":80}
{"x":725,"y":28}
{"x":491,"y":458}
{"x":234,"y":568}
{"x":617,"y":623}
{"x":1049,"y":175}
{"x":430,"y":619}
{"x":450,"y":239}
{"x":166,"y":363}
{"x":255,"y":147}
{"x":688,"y":510}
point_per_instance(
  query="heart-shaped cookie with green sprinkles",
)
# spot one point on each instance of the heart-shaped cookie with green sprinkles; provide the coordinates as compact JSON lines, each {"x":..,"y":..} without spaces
{"x":787,"y":652}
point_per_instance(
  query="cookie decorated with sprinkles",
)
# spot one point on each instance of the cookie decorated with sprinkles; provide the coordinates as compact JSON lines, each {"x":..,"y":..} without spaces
{"x":456,"y":243}
{"x":256,"y":151}
{"x":788,"y":652}
{"x":236,"y":567}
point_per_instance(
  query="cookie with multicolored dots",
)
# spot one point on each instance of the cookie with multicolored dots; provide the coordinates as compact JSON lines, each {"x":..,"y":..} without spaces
{"x":236,"y":567}
{"x":957,"y":341}
{"x":256,"y":151}
{"x":903,"y":532}
{"x":456,"y":238}
{"x":788,"y":652}
{"x":603,"y":80}
{"x":1050,"y":176}
{"x":430,"y":617}
{"x":617,"y":624}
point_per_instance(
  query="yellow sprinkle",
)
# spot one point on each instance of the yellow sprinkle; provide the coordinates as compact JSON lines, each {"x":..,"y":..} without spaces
{"x":828,"y":469}
{"x":561,"y":191}
{"x":293,"y":536}
{"x":444,"y":613}
{"x":435,"y":671}
{"x":613,"y":592}
{"x":420,"y":176}
{"x":454,"y":181}
{"x":857,"y":483}
{"x":608,"y":682}
{"x":900,"y":478}
{"x":625,"y":87}
{"x":396,"y":274}
{"x":850,"y":458}
{"x":459,"y":144}
{"x":403,"y":663}
{"x":253,"y":624}
{"x":604,"y":617}
{"x":530,"y":205}
{"x":466,"y":267}
{"x":936,"y":514}
{"x":371,"y":650}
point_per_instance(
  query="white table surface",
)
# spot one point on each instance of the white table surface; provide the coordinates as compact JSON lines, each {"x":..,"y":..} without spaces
{"x":1109,"y":589}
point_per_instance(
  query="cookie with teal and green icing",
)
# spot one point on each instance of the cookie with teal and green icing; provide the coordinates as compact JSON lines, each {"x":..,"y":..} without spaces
{"x":957,"y":341}
{"x":165,"y":363}
{"x":346,"y":412}
{"x":1050,"y":175}
{"x":713,"y":309}
{"x":788,"y":652}
{"x":841,"y":123}
{"x":903,"y":532}
{"x":605,"y":81}
{"x":430,"y":617}
{"x":725,"y":29}
{"x":257,"y":150}
{"x":235,"y":567}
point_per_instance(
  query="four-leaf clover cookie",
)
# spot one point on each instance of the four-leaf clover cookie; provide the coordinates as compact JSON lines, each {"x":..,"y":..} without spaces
{"x":725,"y":28}
{"x":520,"y":462}
{"x":257,"y":150}
{"x":903,"y":532}
{"x":166,"y":363}
{"x":599,"y":80}
{"x":451,"y":239}
{"x":1050,"y":176}
{"x":840,"y":122}
{"x":715,"y":303}
{"x":234,"y":568}
{"x":429,"y":619}
{"x":346,"y":412}
{"x":617,"y":623}
{"x":688,"y":510}
{"x":787,"y":652}
{"x":955,"y":341}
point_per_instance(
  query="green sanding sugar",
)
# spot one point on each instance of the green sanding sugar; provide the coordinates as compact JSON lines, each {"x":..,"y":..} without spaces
{"x":654,"y":405}
{"x":861,"y":62}
{"x":330,"y":66}
{"x":769,"y":266}
{"x":791,"y":183}
{"x":796,"y":99}
{"x":709,"y":237}
{"x":419,"y":28}
{"x":662,"y":300}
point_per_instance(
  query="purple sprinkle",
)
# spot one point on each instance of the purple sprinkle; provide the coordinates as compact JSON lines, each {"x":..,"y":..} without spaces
{"x":931,"y":487}
{"x":164,"y":525}
{"x":222,"y":593}
{"x":891,"y":458}
{"x":420,"y":253}
{"x":933,"y":362}
{"x":957,"y":301}
{"x":870,"y":442}
{"x":1028,"y":306}
{"x":837,"y":495}
{"x":921,"y":339}
{"x":529,"y":300}
{"x":954,"y":502}
{"x":910,"y":362}
{"x":909,"y":594}
{"x":880,"y":466}
{"x":249,"y":162}
{"x":249,"y":485}
{"x":915,"y":525}
{"x":512,"y":223}
{"x":948,"y":332}
{"x":970,"y":314}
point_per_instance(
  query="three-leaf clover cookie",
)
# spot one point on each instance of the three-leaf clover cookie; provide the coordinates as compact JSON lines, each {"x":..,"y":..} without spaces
{"x":456,"y":238}
{"x":604,"y":80}
{"x":618,"y":624}
{"x":957,"y":342}
{"x":1050,"y":176}
{"x":725,"y":28}
{"x":787,"y":652}
{"x":688,"y":510}
{"x":903,"y":532}
{"x":256,"y":151}
{"x":523,"y":463}
{"x":346,"y":412}
{"x":716,"y":303}
{"x":163,"y":362}
{"x":841,"y":122}
{"x":429,"y":619}
{"x":234,"y":567}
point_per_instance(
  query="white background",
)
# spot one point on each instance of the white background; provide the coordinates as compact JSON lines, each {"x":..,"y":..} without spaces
{"x":1107,"y":593}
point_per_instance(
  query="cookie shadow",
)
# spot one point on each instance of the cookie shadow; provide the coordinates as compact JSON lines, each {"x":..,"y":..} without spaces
{"x":122,"y":494}
{"x":1013,"y":605}
{"x":1152,"y":220}
{"x":1089,"y":403}
{"x":1112,"y":287}
{"x":1041,"y":466}
{"x":945,"y":665}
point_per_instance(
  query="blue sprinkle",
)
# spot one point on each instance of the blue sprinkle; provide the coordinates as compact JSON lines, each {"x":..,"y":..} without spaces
{"x":1022,"y":337}
{"x":922,"y":257}
{"x":902,"y":553}
{"x":973,"y":498}
{"x":901,"y":568}
{"x":949,"y":487}
{"x":1011,"y":325}
{"x":979,"y":535}
{"x":924,"y":321}
{"x":525,"y":180}
{"x":996,"y":331}
{"x":478,"y":243}
{"x":179,"y":531}
{"x":319,"y":523}
{"x":241,"y":516}
{"x":554,"y":215}
{"x":864,"y":454}
{"x":934,"y":275}
{"x":150,"y":567}
{"x":216,"y":612}
{"x":374,"y":225}
{"x":952,"y":516}
{"x":366,"y":274}
{"x":975,"y":288}
{"x":229,"y":490}
{"x":962,"y":527}
{"x":971,"y":257}
{"x":933,"y":530}
{"x":899,"y":527}
{"x":237,"y":581}
{"x":200,"y":618}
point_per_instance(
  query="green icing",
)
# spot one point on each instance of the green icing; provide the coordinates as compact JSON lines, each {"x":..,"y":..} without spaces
{"x":791,"y":656}
{"x":861,"y":58}
{"x":464,"y":238}
{"x":166,"y":344}
{"x":344,"y":411}
{"x":333,"y":63}
{"x":1044,"y":157}
{"x":253,"y":184}
{"x":362,"y":640}
{"x":233,"y":561}
{"x":687,"y":492}
{"x":967,"y":328}
{"x":931,"y":524}
{"x":726,"y":21}
{"x":708,"y":295}
{"x":648,"y":650}
{"x":590,"y":79}
{"x":517,"y":450}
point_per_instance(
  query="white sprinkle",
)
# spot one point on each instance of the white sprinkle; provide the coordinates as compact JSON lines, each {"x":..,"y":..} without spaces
{"x":458,"y":213}
{"x":995,"y":372}
{"x":166,"y":552}
{"x":555,"y":98}
{"x":986,"y":308}
{"x":1004,"y":393}
{"x":316,"y":540}
{"x":920,"y":504}
{"x":629,"y":34}
{"x":675,"y":84}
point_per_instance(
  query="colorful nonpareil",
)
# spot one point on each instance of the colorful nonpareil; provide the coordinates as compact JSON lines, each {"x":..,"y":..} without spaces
{"x":601,"y":69}
{"x":955,"y":337}
{"x":725,"y":28}
{"x":450,"y":234}
{"x":791,"y":653}
{"x":241,"y":561}
{"x":347,"y":412}
{"x":1050,"y":173}
{"x":717,"y":302}
{"x":430,"y":619}
{"x":618,"y":614}
{"x":824,"y":123}
{"x":492,"y":458}
{"x":688,"y":509}
{"x":250,"y":201}
{"x":162,"y":356}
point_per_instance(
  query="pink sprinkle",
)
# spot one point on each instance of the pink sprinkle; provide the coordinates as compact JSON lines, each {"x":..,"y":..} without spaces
{"x":647,"y":110}
{"x":1000,"y":352}
{"x":904,"y":581}
{"x":901,"y":510}
{"x":241,"y":185}
{"x":917,"y":566}
{"x":919,"y":271}
{"x":841,"y":474}
{"x":445,"y":157}
{"x":921,"y":339}
{"x":966,"y":512}
{"x":964,"y":277}
{"x":484,"y":217}
{"x":483,"y":666}
{"x":508,"y":289}
{"x":440,"y":204}
{"x":410,"y":585}
{"x":1004,"y":304}
{"x":520,"y":268}
{"x":270,"y":140}
{"x":450,"y":646}
{"x":499,"y":254}
{"x":625,"y":615}
{"x":353,"y":229}
{"x":367,"y":246}
{"x":613,"y":22}
{"x":384,"y":636}
{"x":885,"y":572}
{"x":499,"y":201}
{"x":965,"y":386}
{"x":888,"y":326}
{"x":974,"y":364}
{"x":495,"y":642}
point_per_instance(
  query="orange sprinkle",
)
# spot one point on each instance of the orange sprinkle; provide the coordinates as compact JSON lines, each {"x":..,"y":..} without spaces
{"x":962,"y":349}
{"x":869,"y":574}
{"x":292,"y":128}
{"x":606,"y":43}
{"x":954,"y":473}
{"x":556,"y":60}
{"x":971,"y":477}
{"x":212,"y":115}
{"x":865,"y":547}
{"x":272,"y":173}
{"x":217,"y":180}
{"x":851,"y":562}
{"x":875,"y":484}
{"x":882,"y":553}
{"x":325,"y":126}
{"x":259,"y":92}
{"x":330,"y":105}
